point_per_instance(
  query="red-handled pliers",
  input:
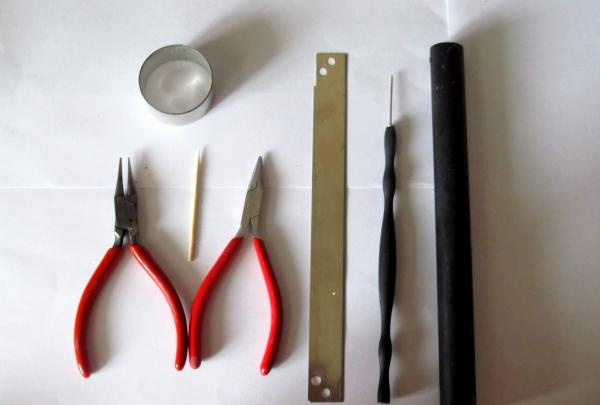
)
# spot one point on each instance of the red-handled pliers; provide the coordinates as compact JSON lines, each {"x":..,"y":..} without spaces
{"x":250,"y":220}
{"x":126,"y":224}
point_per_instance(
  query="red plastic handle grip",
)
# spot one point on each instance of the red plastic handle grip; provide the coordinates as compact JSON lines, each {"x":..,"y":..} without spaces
{"x":276,"y":307}
{"x":201,"y":300}
{"x":160,"y":279}
{"x":86,"y":303}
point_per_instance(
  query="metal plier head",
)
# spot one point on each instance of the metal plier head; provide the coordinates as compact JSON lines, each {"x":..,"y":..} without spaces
{"x":252,"y":206}
{"x":126,"y":221}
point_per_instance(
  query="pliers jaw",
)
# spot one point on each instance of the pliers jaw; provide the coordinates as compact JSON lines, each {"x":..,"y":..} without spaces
{"x":252,"y":206}
{"x":126,"y":222}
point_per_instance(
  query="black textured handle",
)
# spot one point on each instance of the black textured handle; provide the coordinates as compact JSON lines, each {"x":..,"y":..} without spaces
{"x":387,"y":266}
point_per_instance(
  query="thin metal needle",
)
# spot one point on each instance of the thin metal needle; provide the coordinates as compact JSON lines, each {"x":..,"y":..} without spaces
{"x":391,"y":94}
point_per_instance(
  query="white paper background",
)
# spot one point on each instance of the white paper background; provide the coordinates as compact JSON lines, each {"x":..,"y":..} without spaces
{"x":69,"y":107}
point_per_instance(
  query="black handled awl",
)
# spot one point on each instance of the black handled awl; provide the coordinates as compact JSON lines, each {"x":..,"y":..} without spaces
{"x":387,"y":260}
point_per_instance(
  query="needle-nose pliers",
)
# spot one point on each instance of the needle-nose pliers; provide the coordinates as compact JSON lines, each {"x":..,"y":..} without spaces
{"x":126,"y":225}
{"x":250,"y":220}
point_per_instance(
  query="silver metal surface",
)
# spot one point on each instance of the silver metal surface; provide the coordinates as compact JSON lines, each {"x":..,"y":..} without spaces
{"x":253,"y":203}
{"x":126,"y":221}
{"x":177,"y":83}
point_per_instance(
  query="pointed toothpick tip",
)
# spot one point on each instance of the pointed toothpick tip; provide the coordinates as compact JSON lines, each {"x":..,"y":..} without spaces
{"x":195,"y":202}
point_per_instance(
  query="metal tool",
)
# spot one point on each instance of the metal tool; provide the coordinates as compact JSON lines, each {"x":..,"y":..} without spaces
{"x":327,"y":266}
{"x":452,"y":226}
{"x":177,"y":82}
{"x":249,"y":226}
{"x":126,"y":226}
{"x":387,"y":259}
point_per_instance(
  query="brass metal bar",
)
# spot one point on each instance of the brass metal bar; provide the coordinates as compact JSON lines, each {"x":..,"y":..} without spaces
{"x":327,"y":274}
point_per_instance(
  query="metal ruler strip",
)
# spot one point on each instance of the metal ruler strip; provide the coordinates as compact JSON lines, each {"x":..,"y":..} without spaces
{"x":326,"y":326}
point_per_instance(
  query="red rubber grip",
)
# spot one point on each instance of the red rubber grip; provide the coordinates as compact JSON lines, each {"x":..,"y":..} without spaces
{"x":86,"y":303}
{"x":276,"y":307}
{"x":160,"y":279}
{"x":201,"y":300}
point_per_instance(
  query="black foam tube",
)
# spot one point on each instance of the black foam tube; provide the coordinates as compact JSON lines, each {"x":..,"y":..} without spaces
{"x":452,"y":226}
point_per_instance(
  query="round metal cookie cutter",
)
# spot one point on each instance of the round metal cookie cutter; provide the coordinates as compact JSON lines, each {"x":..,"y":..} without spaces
{"x":177,"y":82}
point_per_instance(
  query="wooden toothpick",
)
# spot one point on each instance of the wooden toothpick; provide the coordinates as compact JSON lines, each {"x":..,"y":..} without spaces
{"x":195,"y":203}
